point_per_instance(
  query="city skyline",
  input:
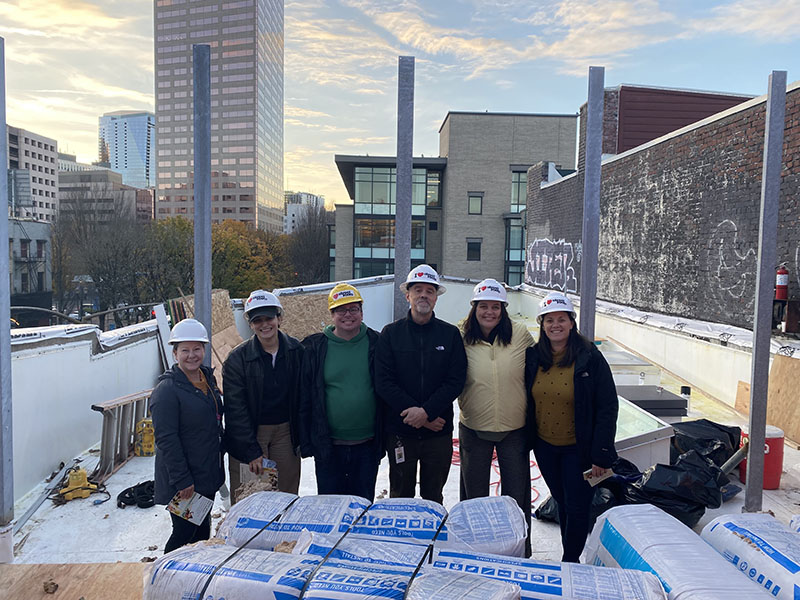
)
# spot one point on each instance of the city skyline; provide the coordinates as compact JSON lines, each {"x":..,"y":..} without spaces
{"x":67,"y":63}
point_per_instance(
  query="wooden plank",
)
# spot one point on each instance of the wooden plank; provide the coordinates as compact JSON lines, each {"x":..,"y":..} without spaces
{"x":120,"y":581}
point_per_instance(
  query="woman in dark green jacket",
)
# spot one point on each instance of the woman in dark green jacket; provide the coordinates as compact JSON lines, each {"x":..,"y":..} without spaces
{"x":572,"y":416}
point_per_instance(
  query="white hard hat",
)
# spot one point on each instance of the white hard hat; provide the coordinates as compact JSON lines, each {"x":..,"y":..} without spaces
{"x":423,"y":274}
{"x":188,"y":330}
{"x":489,"y":289}
{"x":261,"y":302}
{"x":555,"y":302}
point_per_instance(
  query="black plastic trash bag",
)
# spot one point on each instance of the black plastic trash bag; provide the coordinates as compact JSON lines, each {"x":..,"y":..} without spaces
{"x":684,"y":489}
{"x":709,"y":439}
{"x":602,"y":500}
{"x":687,"y":512}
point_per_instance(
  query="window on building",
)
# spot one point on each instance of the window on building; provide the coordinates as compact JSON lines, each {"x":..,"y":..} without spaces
{"x":474,"y":249}
{"x":519,"y":191}
{"x":40,"y":281}
{"x":433,"y":225}
{"x":40,"y":248}
{"x":475,"y":203}
{"x":24,"y":248}
{"x":24,"y":284}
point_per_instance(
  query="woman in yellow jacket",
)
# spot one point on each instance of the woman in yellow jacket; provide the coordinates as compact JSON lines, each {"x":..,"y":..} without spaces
{"x":493,"y":404}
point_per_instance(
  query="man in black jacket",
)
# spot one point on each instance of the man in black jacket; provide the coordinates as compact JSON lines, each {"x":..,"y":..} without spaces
{"x":340,"y":416}
{"x":420,"y":368}
{"x":261,"y":380}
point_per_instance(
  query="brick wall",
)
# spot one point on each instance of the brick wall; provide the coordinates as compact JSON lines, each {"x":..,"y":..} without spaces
{"x":679,"y":220}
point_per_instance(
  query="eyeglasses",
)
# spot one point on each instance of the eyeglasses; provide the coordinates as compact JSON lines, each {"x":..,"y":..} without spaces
{"x":343,"y":310}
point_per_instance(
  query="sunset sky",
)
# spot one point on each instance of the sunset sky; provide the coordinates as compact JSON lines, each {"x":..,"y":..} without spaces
{"x":69,"y":61}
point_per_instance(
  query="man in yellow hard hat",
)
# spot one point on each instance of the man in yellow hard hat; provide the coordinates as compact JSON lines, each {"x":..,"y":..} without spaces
{"x":339,"y":411}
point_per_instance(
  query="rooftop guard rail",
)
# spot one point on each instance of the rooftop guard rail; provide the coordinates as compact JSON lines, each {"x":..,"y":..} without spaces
{"x":120,"y":416}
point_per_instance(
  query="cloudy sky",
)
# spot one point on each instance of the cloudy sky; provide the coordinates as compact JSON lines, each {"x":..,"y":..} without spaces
{"x":69,"y":61}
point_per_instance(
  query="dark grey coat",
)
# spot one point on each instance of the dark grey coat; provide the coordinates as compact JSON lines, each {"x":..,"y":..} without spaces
{"x":188,"y":432}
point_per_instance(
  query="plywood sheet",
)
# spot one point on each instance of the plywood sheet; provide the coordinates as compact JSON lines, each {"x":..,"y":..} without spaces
{"x":120,"y":581}
{"x":784,"y":395}
{"x":222,"y":343}
{"x":304,"y":314}
{"x":742,"y":404}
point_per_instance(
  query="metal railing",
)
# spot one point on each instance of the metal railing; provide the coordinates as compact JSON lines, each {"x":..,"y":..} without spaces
{"x":120,"y":416}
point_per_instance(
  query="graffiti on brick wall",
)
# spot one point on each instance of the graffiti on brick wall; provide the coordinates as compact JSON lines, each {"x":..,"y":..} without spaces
{"x":732,"y":266}
{"x":551,"y":265}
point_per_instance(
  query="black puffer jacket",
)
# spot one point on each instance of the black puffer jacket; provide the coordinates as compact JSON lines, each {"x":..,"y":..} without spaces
{"x":419,"y":365}
{"x":315,"y":435}
{"x":243,"y":381}
{"x":188,"y":436}
{"x":596,"y":405}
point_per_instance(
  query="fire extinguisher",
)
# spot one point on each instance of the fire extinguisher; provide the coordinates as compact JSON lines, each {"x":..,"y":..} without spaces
{"x":782,"y":283}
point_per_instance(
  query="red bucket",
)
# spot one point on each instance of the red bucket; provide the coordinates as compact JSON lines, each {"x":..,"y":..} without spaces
{"x":773,"y":459}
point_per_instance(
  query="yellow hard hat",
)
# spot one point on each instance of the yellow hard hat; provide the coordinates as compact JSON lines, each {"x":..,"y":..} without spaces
{"x":343,"y":293}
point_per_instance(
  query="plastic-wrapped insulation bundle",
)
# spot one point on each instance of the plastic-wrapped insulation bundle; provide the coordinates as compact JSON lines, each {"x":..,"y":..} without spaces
{"x":324,"y":515}
{"x":760,"y":547}
{"x":551,"y":580}
{"x":493,"y":524}
{"x":249,"y":574}
{"x":645,"y":538}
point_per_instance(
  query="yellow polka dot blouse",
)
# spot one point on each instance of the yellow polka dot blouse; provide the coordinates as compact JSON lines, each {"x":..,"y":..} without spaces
{"x":554,"y":398}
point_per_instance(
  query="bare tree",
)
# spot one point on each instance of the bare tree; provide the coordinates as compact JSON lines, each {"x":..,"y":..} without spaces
{"x":309,"y":245}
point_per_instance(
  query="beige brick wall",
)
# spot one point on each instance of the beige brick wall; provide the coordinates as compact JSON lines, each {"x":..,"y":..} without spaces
{"x":480,"y":151}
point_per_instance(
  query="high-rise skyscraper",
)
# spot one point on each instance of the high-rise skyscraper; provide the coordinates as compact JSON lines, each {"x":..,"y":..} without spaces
{"x":246,"y":39}
{"x":126,"y":144}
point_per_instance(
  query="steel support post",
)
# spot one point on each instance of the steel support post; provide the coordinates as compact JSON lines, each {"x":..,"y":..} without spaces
{"x":405,"y":149}
{"x":6,"y":437}
{"x":765,"y":278}
{"x":201,"y":62}
{"x":590,"y":237}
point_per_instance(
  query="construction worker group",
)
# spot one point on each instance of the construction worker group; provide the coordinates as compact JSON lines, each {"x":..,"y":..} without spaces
{"x":348,"y":396}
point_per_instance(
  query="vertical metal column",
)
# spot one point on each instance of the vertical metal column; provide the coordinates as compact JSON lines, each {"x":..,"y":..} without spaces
{"x":405,"y":149}
{"x":6,"y":438}
{"x":765,"y":278}
{"x":201,"y":62}
{"x":590,"y":237}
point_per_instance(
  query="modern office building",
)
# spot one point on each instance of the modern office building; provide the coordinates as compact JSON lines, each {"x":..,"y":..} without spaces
{"x":126,"y":144}
{"x":246,"y":39}
{"x":466,"y":203}
{"x":100,"y":196}
{"x":33,"y":175}
{"x":297,"y":205}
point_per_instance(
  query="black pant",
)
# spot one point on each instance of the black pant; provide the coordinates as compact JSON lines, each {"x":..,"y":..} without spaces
{"x":434,"y":455}
{"x":562,"y":468}
{"x":185,"y":532}
{"x":514,"y":460}
{"x":349,"y":470}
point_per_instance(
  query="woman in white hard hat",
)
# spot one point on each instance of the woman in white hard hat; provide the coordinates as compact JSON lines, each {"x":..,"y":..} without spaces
{"x":261,"y":378}
{"x":493,"y":404}
{"x":572,"y":416}
{"x":187,"y":419}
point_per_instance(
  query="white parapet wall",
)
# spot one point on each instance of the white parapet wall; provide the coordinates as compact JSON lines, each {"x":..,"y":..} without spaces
{"x":54,"y":384}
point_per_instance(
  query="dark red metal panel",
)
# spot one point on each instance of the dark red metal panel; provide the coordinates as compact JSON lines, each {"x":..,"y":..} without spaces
{"x":648,"y":113}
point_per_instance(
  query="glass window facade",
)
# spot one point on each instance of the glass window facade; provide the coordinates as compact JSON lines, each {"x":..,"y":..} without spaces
{"x":473,"y":250}
{"x":376,"y":190}
{"x":514,"y":251}
{"x":519,"y":191}
{"x":127,"y":142}
{"x":374,"y":226}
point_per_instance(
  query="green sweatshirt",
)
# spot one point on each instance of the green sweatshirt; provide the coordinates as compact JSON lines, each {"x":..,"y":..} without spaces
{"x":349,"y":395}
